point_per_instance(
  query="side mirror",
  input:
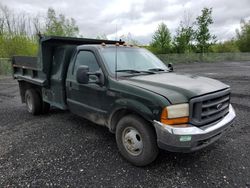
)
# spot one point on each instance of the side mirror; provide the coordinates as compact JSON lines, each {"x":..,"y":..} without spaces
{"x":170,"y":67}
{"x":82,"y":75}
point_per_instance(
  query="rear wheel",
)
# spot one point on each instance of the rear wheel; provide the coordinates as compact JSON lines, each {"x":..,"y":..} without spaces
{"x":136,"y":140}
{"x":33,"y":101}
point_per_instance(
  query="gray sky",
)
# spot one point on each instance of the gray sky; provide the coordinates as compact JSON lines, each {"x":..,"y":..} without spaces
{"x":139,"y":17}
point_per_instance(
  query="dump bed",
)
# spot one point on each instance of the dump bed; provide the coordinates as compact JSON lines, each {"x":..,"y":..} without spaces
{"x":26,"y":68}
{"x":37,"y":70}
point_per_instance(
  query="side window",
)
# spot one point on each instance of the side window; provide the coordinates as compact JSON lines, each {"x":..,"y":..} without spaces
{"x":86,"y":58}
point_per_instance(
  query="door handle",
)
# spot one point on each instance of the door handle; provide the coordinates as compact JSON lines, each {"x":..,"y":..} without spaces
{"x":69,"y":85}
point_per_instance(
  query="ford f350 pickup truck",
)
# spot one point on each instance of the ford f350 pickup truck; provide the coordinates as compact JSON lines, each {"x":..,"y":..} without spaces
{"x":127,"y":89}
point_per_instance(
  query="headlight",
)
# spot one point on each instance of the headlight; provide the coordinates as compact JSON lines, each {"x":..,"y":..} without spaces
{"x":175,"y":114}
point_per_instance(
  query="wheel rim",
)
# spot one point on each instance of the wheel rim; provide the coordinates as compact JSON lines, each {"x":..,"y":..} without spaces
{"x":29,"y":103}
{"x":132,"y":141}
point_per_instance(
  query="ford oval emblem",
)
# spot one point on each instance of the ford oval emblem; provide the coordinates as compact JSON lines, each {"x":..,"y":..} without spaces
{"x":219,"y":106}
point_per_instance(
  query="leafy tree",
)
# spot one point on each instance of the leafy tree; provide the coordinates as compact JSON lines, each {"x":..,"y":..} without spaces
{"x":183,"y":39}
{"x":59,"y":25}
{"x":161,"y":40}
{"x":227,"y":46}
{"x":15,"y":34}
{"x":243,"y":36}
{"x":203,"y":37}
{"x":18,"y":30}
{"x":17,"y":45}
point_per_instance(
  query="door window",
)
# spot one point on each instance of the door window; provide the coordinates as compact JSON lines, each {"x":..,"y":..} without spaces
{"x":86,"y":58}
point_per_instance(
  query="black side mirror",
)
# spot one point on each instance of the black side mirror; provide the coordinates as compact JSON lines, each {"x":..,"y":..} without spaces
{"x":82,"y":75}
{"x":170,"y":67}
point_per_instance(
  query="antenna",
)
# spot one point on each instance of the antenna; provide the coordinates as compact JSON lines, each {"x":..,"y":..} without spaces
{"x":116,"y":60}
{"x":116,"y":53}
{"x":116,"y":31}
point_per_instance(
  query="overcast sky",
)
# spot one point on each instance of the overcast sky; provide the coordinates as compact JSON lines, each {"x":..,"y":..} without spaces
{"x":139,"y":17}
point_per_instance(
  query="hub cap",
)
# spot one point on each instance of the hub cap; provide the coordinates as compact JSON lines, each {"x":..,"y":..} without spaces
{"x":132,"y":141}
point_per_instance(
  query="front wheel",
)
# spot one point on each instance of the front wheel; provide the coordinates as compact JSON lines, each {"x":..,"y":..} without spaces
{"x":136,"y":140}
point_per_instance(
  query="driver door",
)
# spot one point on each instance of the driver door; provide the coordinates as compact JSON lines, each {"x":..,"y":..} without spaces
{"x":85,"y":99}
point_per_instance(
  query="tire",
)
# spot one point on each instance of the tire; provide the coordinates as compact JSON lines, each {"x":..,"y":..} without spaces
{"x":136,"y":140}
{"x":46,"y":107}
{"x":33,"y":102}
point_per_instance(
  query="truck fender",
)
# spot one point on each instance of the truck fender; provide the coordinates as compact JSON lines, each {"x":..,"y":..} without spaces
{"x":128,"y":106}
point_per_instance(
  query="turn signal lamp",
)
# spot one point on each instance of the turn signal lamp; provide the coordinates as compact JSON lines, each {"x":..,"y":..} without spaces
{"x":175,"y":114}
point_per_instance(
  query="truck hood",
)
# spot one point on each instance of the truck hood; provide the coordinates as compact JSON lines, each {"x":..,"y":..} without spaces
{"x":176,"y":87}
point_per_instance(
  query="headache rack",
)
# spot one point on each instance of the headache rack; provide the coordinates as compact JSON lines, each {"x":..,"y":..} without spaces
{"x":209,"y":108}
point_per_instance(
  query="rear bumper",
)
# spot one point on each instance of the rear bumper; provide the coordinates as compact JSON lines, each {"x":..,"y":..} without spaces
{"x":191,"y":138}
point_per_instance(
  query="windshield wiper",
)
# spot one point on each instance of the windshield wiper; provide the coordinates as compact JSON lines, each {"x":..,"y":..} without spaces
{"x":135,"y":71}
{"x":129,"y":71}
{"x":157,"y":69}
{"x":149,"y":72}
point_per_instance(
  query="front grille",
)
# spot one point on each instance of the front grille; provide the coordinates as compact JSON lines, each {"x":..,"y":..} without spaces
{"x":209,"y":108}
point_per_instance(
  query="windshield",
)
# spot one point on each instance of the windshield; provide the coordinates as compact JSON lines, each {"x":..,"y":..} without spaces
{"x":131,"y":60}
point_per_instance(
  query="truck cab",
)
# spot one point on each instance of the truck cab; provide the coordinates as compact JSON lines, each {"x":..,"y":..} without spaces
{"x":130,"y":91}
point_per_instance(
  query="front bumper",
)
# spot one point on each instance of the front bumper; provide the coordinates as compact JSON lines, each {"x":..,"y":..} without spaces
{"x":191,"y":138}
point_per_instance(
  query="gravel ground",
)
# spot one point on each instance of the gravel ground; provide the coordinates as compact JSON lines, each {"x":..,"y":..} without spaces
{"x":64,"y":150}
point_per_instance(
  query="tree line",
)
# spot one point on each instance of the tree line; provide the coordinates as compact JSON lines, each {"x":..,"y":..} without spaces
{"x":18,"y":34}
{"x":197,"y":38}
{"x":18,"y":31}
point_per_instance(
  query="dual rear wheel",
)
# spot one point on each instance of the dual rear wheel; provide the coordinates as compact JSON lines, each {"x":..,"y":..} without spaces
{"x":34,"y":102}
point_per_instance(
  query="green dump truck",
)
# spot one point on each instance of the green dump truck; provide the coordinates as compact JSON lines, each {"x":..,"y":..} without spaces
{"x":127,"y":89}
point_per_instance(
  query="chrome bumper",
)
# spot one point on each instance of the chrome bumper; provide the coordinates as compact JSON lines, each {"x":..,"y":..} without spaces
{"x":190,"y":138}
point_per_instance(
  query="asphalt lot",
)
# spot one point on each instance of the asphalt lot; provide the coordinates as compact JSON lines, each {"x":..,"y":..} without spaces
{"x":64,"y":150}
